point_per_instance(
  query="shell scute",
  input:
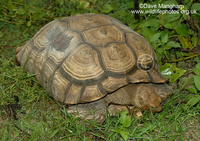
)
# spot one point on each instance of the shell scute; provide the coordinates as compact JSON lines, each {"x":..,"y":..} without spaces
{"x":101,"y":36}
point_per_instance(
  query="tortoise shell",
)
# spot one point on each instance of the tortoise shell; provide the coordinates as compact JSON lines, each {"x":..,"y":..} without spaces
{"x":82,"y":58}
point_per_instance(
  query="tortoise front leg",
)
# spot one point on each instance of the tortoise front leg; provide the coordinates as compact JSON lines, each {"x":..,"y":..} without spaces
{"x":90,"y":111}
{"x":132,"y":110}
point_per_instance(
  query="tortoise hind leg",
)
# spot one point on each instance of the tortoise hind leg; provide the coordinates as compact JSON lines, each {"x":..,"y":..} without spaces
{"x":91,"y":111}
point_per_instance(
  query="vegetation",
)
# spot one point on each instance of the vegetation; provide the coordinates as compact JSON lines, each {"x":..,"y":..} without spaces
{"x":27,"y":112}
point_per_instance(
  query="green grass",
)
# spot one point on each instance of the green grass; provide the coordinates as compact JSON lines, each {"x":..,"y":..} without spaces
{"x":36,"y":116}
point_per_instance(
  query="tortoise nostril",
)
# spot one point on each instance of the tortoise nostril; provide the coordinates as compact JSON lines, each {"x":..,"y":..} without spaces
{"x":152,"y":108}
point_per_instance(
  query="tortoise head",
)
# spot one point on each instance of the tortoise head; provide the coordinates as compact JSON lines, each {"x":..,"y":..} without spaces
{"x":146,"y":98}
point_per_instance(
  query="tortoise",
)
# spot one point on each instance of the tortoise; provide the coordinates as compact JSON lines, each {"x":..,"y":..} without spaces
{"x":95,"y":62}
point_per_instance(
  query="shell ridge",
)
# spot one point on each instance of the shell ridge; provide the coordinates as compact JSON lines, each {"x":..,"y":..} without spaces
{"x":46,"y":58}
{"x":23,"y":51}
{"x":47,"y":47}
{"x":81,"y":94}
{"x":60,"y":64}
{"x":66,"y":92}
{"x":97,"y":27}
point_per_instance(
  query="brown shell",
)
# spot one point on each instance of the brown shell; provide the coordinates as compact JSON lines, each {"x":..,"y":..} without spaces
{"x":82,"y":58}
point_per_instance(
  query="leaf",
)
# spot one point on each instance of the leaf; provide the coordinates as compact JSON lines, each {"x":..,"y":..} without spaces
{"x":197,"y":69}
{"x":28,"y":23}
{"x":182,"y":29}
{"x":195,"y":6}
{"x":164,"y":38}
{"x":107,"y":8}
{"x":193,"y":101}
{"x":171,"y":44}
{"x":197,"y":82}
{"x":21,"y":11}
{"x":188,"y":80}
{"x":147,"y":33}
{"x":10,"y":6}
{"x":125,"y":119}
{"x":192,"y":90}
{"x":171,"y":72}
{"x":60,"y":2}
{"x":156,"y":44}
{"x":144,"y":130}
{"x":190,"y":31}
{"x":122,"y":13}
{"x":170,"y":25}
{"x":155,"y":37}
{"x":84,"y":4}
{"x":171,"y":18}
{"x":159,"y":52}
{"x":198,"y":66}
{"x":122,"y":133}
{"x":185,"y":42}
{"x":53,"y":133}
{"x":152,"y":22}
{"x":194,"y":40}
{"x":130,"y":5}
